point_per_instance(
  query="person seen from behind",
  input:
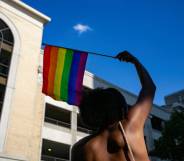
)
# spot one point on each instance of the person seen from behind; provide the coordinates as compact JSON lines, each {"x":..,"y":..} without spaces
{"x":118,"y":130}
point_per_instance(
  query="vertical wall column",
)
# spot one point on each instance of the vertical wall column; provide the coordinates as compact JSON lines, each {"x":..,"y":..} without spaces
{"x":74,"y":125}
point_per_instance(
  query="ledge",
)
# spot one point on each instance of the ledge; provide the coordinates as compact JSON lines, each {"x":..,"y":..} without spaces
{"x":10,"y":158}
{"x":29,"y":10}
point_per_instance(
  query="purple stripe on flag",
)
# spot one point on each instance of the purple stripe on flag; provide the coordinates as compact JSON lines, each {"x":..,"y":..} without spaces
{"x":73,"y":78}
{"x":80,"y":76}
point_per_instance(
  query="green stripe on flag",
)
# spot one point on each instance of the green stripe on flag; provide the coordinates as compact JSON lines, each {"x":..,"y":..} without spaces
{"x":66,"y":75}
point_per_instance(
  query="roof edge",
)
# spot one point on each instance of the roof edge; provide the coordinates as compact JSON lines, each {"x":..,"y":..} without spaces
{"x":44,"y":18}
{"x":182,"y":90}
{"x":116,"y":86}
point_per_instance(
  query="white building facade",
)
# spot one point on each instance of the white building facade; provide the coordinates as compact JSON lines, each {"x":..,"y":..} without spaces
{"x":174,"y":101}
{"x":21,"y":29}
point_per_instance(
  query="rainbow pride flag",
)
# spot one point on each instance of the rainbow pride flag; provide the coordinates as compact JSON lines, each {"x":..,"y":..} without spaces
{"x":63,"y":72}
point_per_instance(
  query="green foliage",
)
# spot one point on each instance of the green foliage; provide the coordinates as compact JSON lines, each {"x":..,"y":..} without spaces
{"x":171,"y":144}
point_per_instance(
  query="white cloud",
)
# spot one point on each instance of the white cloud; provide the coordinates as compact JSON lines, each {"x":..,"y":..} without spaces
{"x":80,"y":28}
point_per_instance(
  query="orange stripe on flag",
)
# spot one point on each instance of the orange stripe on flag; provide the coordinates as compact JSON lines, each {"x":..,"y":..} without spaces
{"x":52,"y":70}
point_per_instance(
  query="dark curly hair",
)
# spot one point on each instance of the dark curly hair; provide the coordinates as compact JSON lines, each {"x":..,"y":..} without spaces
{"x":101,"y":107}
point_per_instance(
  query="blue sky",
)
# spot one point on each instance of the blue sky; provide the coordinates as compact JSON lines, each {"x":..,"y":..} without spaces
{"x":152,"y":30}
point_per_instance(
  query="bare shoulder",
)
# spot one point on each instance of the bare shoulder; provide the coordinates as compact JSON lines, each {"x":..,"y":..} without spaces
{"x":77,"y":152}
{"x":93,"y":143}
{"x":94,"y":149}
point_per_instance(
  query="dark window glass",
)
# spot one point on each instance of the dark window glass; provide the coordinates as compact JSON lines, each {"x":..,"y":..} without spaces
{"x":2,"y":92}
{"x":57,"y":116}
{"x":5,"y":58}
{"x":6,"y":47}
{"x":5,"y":33}
{"x":157,"y":123}
{"x":54,"y":151}
{"x":81,"y":126}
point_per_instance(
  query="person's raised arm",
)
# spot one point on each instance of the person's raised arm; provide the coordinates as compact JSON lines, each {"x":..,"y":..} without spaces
{"x":138,"y":113}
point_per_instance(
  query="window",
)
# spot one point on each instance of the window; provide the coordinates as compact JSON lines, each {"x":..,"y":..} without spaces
{"x":81,"y":127}
{"x":157,"y":123}
{"x":2,"y":91}
{"x":180,"y":99}
{"x":5,"y":58}
{"x":57,"y":116}
{"x":6,"y":47}
{"x":54,"y":151}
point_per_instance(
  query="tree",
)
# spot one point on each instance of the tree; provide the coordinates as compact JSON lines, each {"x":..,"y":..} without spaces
{"x":171,"y":144}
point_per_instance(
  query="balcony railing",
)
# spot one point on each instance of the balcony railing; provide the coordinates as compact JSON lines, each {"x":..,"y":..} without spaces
{"x":82,"y":129}
{"x":57,"y":122}
{"x":4,"y":70}
{"x":65,"y":124}
{"x":6,"y":41}
{"x":50,"y":158}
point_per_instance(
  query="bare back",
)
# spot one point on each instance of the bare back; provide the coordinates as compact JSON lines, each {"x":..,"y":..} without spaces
{"x":110,"y":145}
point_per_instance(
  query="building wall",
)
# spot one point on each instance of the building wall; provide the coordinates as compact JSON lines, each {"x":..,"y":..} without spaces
{"x":174,"y":101}
{"x":176,"y":97}
{"x":22,"y":134}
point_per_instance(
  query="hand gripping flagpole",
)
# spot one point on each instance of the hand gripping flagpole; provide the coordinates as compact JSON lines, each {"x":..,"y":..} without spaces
{"x":93,"y":53}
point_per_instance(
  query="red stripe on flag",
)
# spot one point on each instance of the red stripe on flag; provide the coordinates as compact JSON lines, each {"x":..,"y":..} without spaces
{"x":46,"y":66}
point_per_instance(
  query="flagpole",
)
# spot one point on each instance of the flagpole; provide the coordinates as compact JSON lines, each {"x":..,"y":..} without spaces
{"x":93,"y":53}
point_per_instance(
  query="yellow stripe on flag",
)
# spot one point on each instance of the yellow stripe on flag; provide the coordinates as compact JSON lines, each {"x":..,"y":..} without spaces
{"x":59,"y":72}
